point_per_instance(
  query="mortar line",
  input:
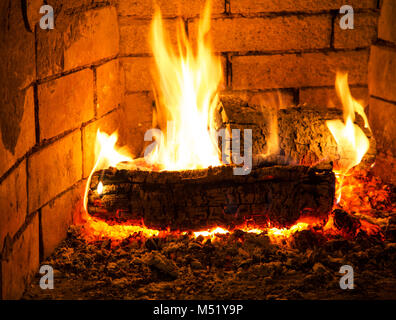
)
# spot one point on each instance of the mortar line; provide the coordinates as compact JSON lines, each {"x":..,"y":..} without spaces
{"x":296,"y":96}
{"x":95,"y":93}
{"x":20,"y":231}
{"x":383,"y":100}
{"x":27,"y":185}
{"x":231,"y":15}
{"x":334,"y":15}
{"x":76,"y":69}
{"x":325,"y":50}
{"x":36,"y":113}
{"x":227,"y":7}
{"x":82,"y":151}
{"x":32,"y":215}
{"x":41,"y":240}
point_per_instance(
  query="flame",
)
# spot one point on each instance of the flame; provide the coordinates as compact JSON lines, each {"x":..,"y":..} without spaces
{"x":274,"y":103}
{"x":211,"y":233}
{"x":100,"y":187}
{"x":186,"y":90}
{"x":351,"y":141}
{"x":93,"y":229}
{"x":106,"y":156}
{"x":287,"y":232}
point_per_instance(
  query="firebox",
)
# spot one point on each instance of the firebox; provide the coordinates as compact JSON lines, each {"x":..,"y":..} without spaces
{"x":224,"y":149}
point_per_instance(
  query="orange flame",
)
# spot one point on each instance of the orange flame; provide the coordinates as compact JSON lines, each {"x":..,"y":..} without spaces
{"x":186,"y":96}
{"x":106,"y":156}
{"x":211,"y":233}
{"x":186,"y":88}
{"x":351,"y":141}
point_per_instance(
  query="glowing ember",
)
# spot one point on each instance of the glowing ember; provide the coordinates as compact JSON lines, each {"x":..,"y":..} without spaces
{"x":211,"y":233}
{"x":187,"y":94}
{"x":94,"y":229}
{"x":287,"y":232}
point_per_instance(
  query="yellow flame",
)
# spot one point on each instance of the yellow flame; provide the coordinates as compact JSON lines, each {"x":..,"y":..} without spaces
{"x":100,"y":188}
{"x":275,"y":233}
{"x":210,"y":233}
{"x":186,"y":89}
{"x":95,"y":229}
{"x":106,"y":156}
{"x":351,"y":141}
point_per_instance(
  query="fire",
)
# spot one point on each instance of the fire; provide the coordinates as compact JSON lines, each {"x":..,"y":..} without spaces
{"x":100,"y":188}
{"x":106,"y":156}
{"x":351,"y":141}
{"x":275,"y":233}
{"x":93,"y":229}
{"x":186,"y":89}
{"x":211,"y":233}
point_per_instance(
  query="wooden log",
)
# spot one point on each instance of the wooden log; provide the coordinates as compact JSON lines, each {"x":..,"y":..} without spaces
{"x":199,"y":199}
{"x":303,"y":137}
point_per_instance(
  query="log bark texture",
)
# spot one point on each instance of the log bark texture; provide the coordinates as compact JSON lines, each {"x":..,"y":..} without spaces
{"x":198,"y":199}
{"x":303,"y":137}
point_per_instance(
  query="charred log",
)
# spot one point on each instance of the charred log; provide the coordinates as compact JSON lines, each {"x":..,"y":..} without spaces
{"x":196,"y":199}
{"x":302,"y":134}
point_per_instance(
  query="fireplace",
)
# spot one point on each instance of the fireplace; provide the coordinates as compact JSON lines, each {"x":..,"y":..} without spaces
{"x":78,"y":193}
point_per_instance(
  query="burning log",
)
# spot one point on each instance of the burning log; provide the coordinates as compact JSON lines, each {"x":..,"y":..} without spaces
{"x":300,"y":132}
{"x":198,"y":199}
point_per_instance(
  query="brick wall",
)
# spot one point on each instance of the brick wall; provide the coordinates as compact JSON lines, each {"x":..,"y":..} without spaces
{"x":57,"y":87}
{"x":268,"y":47}
{"x":382,"y":87}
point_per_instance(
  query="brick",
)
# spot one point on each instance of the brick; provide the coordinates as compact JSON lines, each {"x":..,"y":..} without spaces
{"x":135,"y":35}
{"x":109,"y":86}
{"x":254,"y":6}
{"x":77,"y":40}
{"x":33,"y":12}
{"x":17,"y":72}
{"x":297,"y":70}
{"x":138,"y":113}
{"x":68,"y":5}
{"x":382,"y":72}
{"x":327,"y":97}
{"x":382,"y":116}
{"x":65,"y":103}
{"x":20,"y":266}
{"x":56,"y":217}
{"x":17,"y":51}
{"x":108,"y":124}
{"x":169,"y":8}
{"x":97,"y":39}
{"x":363,"y":34}
{"x":13,"y":202}
{"x":387,"y":23}
{"x":223,"y":82}
{"x":63,"y":160}
{"x":275,"y":98}
{"x":385,"y":167}
{"x":137,"y":73}
{"x":268,"y":34}
{"x":138,"y":108}
{"x":24,"y":135}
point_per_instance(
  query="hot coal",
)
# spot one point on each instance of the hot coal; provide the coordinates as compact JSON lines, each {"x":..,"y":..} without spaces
{"x":238,"y":265}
